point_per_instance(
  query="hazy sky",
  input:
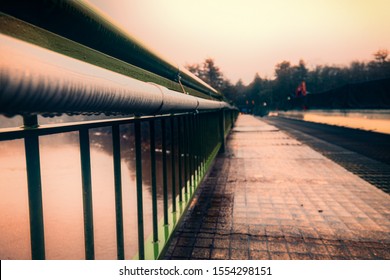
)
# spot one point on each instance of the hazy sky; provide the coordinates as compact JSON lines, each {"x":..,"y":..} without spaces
{"x":249,"y":36}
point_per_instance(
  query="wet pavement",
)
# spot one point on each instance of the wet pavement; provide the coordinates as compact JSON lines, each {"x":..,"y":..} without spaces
{"x":364,"y":153}
{"x":272,"y":197}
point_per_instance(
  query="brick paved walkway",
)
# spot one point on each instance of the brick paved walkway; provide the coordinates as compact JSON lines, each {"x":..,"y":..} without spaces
{"x":271,"y":197}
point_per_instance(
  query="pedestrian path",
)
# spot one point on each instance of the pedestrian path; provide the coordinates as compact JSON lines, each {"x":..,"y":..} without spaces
{"x":271,"y":197}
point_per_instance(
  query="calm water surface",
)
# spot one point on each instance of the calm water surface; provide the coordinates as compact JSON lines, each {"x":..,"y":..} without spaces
{"x":372,"y":120}
{"x":62,"y":197}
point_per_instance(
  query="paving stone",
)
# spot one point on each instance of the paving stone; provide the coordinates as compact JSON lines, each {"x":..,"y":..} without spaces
{"x":220,"y":254}
{"x":271,"y":197}
{"x":236,"y":254}
{"x":259,"y":255}
{"x":222,"y":243}
{"x":200,"y":253}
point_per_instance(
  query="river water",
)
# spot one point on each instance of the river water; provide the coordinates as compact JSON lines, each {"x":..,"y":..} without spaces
{"x":372,"y":120}
{"x":62,"y":196}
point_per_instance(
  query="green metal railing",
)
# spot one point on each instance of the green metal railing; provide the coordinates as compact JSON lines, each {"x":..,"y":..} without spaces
{"x":194,"y":141}
{"x":62,"y":57}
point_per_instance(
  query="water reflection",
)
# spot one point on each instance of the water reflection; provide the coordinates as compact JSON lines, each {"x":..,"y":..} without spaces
{"x":14,"y":233}
{"x":62,"y":195}
{"x":372,"y":120}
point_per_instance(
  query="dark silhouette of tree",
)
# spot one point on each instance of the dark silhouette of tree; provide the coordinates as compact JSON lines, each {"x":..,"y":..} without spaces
{"x":262,"y":95}
{"x":381,"y":55}
{"x":209,"y":73}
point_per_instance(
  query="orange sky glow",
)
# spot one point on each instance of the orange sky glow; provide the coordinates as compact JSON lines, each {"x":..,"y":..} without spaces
{"x":251,"y":36}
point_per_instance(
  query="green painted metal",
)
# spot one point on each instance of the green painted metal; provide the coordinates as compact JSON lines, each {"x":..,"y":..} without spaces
{"x":195,"y":135}
{"x":138,"y":165}
{"x":180,"y":151}
{"x":164,"y":166}
{"x":222,"y":130}
{"x":33,"y":166}
{"x":191,"y":152}
{"x":156,"y":250}
{"x":85,"y":157}
{"x":116,"y":154}
{"x":153,"y":178}
{"x":32,"y":34}
{"x":79,"y":22}
{"x":186,"y":153}
{"x":173,"y":163}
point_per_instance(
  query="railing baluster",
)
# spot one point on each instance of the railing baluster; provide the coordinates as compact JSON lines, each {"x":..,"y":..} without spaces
{"x":222,"y":130}
{"x":153,"y":175}
{"x":164,"y":162}
{"x":118,"y":191}
{"x":195,"y":143}
{"x":87,"y":193}
{"x":138,"y":165}
{"x":186,"y":154}
{"x":195,"y":140}
{"x":202,"y":143}
{"x":192,"y":154}
{"x":197,"y":135}
{"x":33,"y":166}
{"x":173,"y":164}
{"x":180,"y":151}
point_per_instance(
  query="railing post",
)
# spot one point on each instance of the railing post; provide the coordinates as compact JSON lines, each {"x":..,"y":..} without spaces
{"x":191,"y":151}
{"x":198,"y":147}
{"x":164,"y":166}
{"x":33,"y":166}
{"x":180,"y":151}
{"x":222,"y":130}
{"x":173,"y":164}
{"x":202,"y":144}
{"x":85,"y":157}
{"x":186,"y":153}
{"x":138,"y":164}
{"x":154,"y":181}
{"x":116,"y":151}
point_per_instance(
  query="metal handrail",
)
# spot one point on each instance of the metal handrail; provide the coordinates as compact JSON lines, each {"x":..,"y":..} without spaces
{"x":86,"y":26}
{"x":35,"y":80}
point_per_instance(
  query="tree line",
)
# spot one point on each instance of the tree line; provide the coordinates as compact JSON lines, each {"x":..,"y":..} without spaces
{"x":264,"y":94}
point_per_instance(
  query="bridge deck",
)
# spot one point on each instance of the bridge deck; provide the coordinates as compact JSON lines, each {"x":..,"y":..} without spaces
{"x":271,"y":197}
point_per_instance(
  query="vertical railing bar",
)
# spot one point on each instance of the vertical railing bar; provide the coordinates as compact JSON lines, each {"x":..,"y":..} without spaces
{"x":199,"y":133}
{"x":179,"y":141}
{"x":196,"y":174}
{"x":203,"y":144}
{"x":118,"y":191}
{"x":221,"y":126}
{"x":173,"y":164}
{"x":164,"y":162}
{"x":198,"y":147}
{"x":186,"y":163}
{"x":34,"y":185}
{"x":138,"y":165}
{"x":196,"y":143}
{"x":85,"y":157}
{"x":152,"y":136}
{"x":192,"y":149}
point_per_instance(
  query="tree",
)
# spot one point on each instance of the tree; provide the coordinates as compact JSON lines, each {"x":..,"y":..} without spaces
{"x":284,"y":85}
{"x":381,"y":55}
{"x":209,"y":73}
{"x":276,"y":93}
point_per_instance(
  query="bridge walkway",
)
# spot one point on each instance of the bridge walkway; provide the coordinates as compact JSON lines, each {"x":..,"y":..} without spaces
{"x":272,"y":197}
